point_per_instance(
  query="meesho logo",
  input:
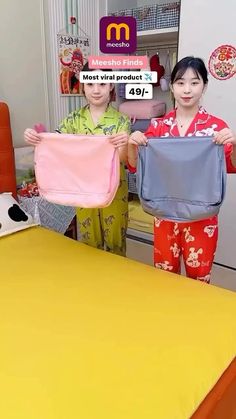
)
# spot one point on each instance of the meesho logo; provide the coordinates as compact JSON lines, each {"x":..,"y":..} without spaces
{"x":118,"y":34}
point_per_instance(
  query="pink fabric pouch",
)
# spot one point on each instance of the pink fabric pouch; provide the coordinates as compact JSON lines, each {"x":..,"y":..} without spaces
{"x":77,"y":170}
{"x":143,"y":109}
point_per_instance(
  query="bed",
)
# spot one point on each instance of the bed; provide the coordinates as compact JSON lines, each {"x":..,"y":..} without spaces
{"x":87,"y":334}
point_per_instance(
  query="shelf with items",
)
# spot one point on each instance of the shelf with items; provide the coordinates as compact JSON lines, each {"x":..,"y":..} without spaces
{"x":164,"y":43}
{"x":156,"y":23}
{"x":157,"y":36}
{"x":138,"y":219}
{"x":140,"y":236}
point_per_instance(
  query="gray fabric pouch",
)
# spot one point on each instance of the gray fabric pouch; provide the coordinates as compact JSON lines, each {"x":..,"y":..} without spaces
{"x":181,"y":178}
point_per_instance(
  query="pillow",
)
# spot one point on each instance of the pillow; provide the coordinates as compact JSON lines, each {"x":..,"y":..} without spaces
{"x":12,"y":217}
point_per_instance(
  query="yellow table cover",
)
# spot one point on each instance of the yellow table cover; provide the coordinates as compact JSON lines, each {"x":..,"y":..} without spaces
{"x":90,"y":335}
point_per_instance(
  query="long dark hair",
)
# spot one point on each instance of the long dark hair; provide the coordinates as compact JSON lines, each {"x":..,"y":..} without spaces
{"x":196,"y":64}
{"x":112,"y":92}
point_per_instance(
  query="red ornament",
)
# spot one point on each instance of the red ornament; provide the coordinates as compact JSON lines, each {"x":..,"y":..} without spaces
{"x":222,"y":62}
{"x":73,"y":20}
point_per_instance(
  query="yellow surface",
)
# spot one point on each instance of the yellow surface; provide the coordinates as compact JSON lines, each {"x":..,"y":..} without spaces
{"x":138,"y":219}
{"x":88,"y":335}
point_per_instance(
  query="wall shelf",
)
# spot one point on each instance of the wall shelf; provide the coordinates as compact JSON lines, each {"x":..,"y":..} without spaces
{"x":160,"y":36}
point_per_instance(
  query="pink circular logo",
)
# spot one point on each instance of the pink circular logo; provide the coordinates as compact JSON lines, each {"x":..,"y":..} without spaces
{"x":222,"y":62}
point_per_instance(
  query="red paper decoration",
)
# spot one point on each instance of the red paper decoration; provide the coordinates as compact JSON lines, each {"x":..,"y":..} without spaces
{"x":222,"y":62}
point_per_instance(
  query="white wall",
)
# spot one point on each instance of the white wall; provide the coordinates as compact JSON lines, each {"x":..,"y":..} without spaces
{"x":201,"y":31}
{"x":205,"y":25}
{"x":22,"y":84}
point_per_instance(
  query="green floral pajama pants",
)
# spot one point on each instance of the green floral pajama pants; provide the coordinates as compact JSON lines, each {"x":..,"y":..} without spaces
{"x":105,"y":228}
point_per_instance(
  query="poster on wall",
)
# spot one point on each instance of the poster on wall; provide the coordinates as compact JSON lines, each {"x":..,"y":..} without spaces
{"x":222,"y":62}
{"x":73,"y":52}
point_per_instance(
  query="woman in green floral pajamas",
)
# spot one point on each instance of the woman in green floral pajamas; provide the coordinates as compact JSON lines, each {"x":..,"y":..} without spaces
{"x":104,"y":228}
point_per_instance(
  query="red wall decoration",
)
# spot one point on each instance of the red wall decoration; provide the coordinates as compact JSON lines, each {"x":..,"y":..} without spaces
{"x":222,"y":62}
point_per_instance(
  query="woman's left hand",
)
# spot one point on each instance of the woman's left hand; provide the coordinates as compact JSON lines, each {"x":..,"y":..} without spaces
{"x":119,"y":140}
{"x":225,"y":136}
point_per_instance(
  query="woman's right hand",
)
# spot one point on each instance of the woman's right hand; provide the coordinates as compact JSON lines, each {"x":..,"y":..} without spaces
{"x":138,"y":138}
{"x":31,"y":137}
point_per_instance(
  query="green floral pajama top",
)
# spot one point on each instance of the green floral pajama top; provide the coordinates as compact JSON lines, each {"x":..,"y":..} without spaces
{"x":104,"y":228}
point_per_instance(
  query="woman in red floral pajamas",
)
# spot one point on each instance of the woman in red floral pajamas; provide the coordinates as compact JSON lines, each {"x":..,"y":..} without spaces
{"x":196,"y":241}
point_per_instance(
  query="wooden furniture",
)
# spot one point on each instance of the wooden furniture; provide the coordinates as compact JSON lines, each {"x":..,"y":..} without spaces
{"x":7,"y":163}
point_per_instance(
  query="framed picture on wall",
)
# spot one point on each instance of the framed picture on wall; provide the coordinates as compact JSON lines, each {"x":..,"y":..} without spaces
{"x":73,"y":52}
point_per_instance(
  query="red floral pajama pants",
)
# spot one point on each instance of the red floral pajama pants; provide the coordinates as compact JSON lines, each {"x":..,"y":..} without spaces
{"x":195,"y":242}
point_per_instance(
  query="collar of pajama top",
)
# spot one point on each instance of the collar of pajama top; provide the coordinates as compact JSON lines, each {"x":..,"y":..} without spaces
{"x":80,"y":122}
{"x":202,"y":124}
{"x":109,"y":122}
